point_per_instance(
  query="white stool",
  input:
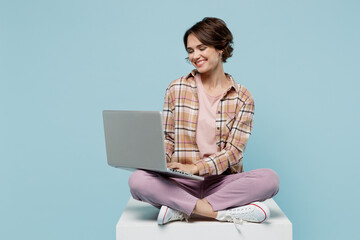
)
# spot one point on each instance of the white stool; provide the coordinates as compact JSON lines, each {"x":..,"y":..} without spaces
{"x":138,"y":221}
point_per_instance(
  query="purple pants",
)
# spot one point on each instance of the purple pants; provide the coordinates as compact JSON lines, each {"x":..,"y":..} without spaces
{"x":221,"y":191}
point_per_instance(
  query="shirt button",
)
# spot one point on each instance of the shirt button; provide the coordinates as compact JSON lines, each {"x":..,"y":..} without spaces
{"x":218,"y":111}
{"x":218,"y":128}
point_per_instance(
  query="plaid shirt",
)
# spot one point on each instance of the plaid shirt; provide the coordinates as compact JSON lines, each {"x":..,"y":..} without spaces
{"x":234,"y":122}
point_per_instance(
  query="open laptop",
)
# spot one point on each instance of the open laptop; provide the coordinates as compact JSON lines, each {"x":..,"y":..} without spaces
{"x":135,"y":140}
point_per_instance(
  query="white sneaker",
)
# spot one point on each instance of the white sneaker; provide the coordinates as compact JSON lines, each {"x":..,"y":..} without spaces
{"x":167,"y":214}
{"x":254,"y":212}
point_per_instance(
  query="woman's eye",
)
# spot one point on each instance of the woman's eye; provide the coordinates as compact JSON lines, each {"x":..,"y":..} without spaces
{"x":202,"y":49}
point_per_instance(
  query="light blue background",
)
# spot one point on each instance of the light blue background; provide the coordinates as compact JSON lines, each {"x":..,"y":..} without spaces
{"x":63,"y":62}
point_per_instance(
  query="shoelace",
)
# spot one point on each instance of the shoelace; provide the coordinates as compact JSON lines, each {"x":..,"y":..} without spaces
{"x":239,"y":221}
{"x":180,"y":216}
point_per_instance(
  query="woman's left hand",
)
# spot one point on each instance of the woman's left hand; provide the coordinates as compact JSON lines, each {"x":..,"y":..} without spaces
{"x":189,"y":168}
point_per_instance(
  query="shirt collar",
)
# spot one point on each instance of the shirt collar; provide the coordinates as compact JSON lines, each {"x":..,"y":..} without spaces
{"x":233,"y":85}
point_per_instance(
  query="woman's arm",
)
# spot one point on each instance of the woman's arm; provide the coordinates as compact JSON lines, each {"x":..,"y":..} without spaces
{"x":232,"y":154}
{"x":169,"y":133}
{"x":168,"y":125}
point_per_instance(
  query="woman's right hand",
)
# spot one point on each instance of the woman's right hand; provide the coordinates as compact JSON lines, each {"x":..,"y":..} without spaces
{"x":189,"y":168}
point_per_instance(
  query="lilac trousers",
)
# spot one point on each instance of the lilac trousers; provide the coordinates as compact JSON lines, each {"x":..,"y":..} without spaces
{"x":221,"y":191}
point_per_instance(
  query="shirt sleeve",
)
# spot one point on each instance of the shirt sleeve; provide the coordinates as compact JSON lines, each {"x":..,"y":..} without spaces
{"x":232,"y":154}
{"x":168,"y":125}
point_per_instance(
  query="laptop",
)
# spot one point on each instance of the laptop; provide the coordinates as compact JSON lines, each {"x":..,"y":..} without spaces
{"x":135,"y":140}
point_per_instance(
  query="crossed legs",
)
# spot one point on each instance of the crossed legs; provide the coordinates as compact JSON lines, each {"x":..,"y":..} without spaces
{"x":204,"y":198}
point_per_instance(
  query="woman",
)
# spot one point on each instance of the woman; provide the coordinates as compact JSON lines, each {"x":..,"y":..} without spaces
{"x":207,"y":119}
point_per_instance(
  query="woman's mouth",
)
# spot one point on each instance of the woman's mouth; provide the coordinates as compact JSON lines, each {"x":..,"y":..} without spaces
{"x":200,"y":63}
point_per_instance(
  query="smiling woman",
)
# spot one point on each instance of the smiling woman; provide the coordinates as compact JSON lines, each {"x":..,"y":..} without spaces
{"x":208,"y":119}
{"x":212,"y":32}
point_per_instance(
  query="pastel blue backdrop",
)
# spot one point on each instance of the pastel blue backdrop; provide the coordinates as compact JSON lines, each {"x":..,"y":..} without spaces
{"x":63,"y":62}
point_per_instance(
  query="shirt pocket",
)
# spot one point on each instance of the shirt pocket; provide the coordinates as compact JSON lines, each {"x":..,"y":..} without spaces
{"x":230,"y":119}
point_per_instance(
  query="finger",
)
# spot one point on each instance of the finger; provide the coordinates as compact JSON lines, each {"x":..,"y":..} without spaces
{"x":172,"y":165}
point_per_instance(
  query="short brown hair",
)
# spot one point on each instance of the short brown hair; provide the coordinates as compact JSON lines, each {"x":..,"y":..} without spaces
{"x":212,"y":32}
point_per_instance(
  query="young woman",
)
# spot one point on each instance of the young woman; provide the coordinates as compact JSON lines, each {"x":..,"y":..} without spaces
{"x":207,"y":119}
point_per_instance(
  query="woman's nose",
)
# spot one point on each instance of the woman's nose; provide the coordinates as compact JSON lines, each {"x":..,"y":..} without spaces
{"x":196,"y":54}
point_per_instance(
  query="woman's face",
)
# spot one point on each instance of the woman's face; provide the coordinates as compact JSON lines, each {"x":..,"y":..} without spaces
{"x":204,"y":58}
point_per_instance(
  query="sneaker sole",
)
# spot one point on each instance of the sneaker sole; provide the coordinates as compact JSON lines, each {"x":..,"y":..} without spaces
{"x":162,"y":215}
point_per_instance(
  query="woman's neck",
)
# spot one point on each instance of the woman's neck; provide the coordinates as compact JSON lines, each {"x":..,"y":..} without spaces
{"x":215,"y":79}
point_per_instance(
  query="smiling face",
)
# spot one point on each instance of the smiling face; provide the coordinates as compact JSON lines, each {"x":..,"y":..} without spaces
{"x":204,"y":58}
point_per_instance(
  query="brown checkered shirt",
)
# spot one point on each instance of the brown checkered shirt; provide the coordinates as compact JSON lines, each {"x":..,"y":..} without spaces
{"x":234,"y":122}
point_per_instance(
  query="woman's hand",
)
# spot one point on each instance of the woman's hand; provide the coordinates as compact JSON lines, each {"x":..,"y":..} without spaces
{"x":189,"y":168}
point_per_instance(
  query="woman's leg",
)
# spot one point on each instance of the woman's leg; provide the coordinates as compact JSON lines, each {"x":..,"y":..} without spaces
{"x":157,"y":190}
{"x":236,"y":190}
{"x":203,"y":208}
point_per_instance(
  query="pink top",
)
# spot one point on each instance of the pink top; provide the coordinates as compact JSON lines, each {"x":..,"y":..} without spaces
{"x":206,"y":124}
